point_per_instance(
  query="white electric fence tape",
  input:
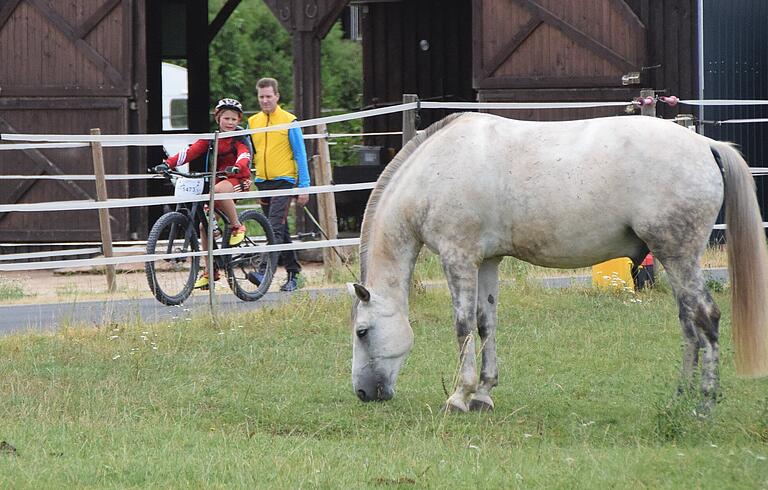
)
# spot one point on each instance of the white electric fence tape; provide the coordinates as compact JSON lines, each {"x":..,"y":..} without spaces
{"x":159,"y":139}
{"x":82,"y":177}
{"x":53,"y":253}
{"x":155,"y":201}
{"x":57,"y":264}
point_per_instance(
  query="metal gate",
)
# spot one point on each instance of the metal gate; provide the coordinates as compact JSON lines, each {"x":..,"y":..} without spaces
{"x":735,"y":66}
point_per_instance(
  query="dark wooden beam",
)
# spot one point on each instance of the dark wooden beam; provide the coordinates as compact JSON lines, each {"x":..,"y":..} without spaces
{"x":221,"y":18}
{"x":330,"y":17}
{"x":96,"y":17}
{"x":6,"y":11}
{"x":308,"y":22}
{"x":43,"y":165}
{"x":511,"y":45}
{"x":577,"y":36}
{"x":62,"y":25}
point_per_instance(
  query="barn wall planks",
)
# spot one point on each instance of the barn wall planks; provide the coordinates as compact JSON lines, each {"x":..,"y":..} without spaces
{"x":69,"y":67}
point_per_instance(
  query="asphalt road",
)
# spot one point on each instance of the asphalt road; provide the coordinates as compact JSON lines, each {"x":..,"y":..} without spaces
{"x":47,"y":317}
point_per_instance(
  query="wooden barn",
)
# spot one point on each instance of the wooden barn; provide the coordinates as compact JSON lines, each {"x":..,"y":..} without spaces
{"x":569,"y":51}
{"x":75,"y":65}
{"x":69,"y":66}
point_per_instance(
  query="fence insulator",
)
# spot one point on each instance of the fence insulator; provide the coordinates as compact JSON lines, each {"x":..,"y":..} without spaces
{"x":671,"y":100}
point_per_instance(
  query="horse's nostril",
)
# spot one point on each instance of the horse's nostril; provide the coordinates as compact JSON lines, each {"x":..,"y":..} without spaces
{"x":361,"y":395}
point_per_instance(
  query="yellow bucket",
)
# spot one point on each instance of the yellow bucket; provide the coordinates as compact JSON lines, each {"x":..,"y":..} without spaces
{"x":616,"y":273}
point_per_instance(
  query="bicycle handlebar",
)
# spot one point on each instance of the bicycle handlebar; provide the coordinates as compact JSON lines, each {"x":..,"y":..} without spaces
{"x":191,"y":175}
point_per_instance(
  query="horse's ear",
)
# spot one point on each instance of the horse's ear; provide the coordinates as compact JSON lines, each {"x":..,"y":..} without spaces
{"x":359,"y":291}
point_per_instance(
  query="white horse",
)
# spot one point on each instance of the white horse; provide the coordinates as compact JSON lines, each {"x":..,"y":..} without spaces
{"x":474,"y":188}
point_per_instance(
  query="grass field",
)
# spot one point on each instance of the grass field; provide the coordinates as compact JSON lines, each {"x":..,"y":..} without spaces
{"x":264,"y":400}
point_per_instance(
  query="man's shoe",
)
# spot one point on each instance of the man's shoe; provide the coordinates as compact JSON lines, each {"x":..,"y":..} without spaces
{"x":238,"y":234}
{"x":292,"y":283}
{"x":255,"y":277}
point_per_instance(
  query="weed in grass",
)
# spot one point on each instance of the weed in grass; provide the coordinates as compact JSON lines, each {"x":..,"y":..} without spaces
{"x":715,"y":285}
{"x":67,"y":290}
{"x":10,"y":290}
{"x":761,"y":424}
{"x":676,"y":418}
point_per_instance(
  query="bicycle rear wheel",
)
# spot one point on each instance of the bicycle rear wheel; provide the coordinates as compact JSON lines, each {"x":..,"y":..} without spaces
{"x":171,"y":280}
{"x":250,"y":273}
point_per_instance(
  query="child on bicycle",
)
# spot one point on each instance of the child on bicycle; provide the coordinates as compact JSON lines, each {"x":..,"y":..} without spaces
{"x":234,"y":157}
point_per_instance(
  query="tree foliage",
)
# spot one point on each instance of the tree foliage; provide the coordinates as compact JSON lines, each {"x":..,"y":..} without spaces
{"x":252,"y":44}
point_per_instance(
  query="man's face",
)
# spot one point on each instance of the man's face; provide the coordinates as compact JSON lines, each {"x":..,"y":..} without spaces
{"x":268,"y":99}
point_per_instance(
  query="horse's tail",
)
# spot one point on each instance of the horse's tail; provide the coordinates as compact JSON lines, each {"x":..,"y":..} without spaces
{"x":748,"y":263}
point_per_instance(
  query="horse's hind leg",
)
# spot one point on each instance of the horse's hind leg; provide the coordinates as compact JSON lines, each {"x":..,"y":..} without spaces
{"x":699,"y":321}
{"x":487,"y":298}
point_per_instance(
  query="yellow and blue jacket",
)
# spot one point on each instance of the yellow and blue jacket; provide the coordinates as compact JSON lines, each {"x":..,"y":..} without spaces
{"x":280,"y":154}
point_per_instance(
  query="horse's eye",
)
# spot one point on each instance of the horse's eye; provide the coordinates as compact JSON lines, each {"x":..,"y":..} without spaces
{"x":361,"y":332}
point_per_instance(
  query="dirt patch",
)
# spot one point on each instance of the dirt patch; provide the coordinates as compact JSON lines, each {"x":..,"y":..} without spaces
{"x":67,"y":285}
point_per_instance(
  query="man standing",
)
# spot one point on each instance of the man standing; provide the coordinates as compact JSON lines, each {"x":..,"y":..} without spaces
{"x":280,"y":158}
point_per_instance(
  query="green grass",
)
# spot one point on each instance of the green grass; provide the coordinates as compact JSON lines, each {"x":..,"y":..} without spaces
{"x":263,"y":400}
{"x":10,"y":290}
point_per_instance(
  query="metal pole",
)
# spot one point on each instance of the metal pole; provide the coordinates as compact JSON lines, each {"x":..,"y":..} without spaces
{"x":101,"y":195}
{"x":211,"y":221}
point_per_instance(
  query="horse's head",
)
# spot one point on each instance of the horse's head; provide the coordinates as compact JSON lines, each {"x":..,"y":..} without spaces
{"x":381,"y":340}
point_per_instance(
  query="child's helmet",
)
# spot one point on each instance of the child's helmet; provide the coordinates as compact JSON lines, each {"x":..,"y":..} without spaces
{"x":231,"y":104}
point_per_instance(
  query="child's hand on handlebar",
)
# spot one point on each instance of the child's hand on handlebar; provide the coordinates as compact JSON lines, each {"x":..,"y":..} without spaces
{"x":163,"y":167}
{"x":232,"y":170}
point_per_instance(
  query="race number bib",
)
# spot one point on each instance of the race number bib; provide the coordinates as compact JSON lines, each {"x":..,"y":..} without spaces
{"x":188,"y":187}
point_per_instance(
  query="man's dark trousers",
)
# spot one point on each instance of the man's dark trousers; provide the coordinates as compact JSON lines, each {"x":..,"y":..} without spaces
{"x":276,"y":209}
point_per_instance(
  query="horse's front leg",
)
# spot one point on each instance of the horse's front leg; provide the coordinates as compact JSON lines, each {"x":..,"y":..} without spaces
{"x":462,"y":281}
{"x":487,"y":319}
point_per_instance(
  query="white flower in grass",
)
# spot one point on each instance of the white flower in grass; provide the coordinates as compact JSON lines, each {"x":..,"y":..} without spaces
{"x":116,"y":357}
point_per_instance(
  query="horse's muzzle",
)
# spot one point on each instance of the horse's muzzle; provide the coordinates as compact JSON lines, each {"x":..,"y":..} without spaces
{"x":379,"y":394}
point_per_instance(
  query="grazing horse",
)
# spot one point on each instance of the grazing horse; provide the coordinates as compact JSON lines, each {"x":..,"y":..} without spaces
{"x":474,"y":188}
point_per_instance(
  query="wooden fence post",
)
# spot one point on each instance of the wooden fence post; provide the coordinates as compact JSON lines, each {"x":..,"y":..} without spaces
{"x":326,"y":201}
{"x":648,"y":110}
{"x":409,"y":119}
{"x":101,"y":195}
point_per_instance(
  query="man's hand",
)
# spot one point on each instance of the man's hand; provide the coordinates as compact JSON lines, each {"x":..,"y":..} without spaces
{"x":233,"y":170}
{"x":302,"y":200}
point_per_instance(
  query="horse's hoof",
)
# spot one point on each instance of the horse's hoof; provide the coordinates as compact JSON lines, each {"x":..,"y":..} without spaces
{"x":455,"y":406}
{"x":481,"y":404}
{"x":705,"y":408}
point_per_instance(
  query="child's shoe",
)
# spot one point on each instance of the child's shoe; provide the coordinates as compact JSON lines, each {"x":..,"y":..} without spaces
{"x":238,"y":234}
{"x":202,"y":281}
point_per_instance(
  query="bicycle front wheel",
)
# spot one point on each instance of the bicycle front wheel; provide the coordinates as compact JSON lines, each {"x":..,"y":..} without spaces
{"x":250,"y":273}
{"x":171,"y":279}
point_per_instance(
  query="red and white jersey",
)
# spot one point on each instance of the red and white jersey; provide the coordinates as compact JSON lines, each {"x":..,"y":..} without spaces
{"x":232,"y":152}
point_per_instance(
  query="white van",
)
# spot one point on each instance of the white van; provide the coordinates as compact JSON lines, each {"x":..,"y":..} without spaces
{"x":175,"y":95}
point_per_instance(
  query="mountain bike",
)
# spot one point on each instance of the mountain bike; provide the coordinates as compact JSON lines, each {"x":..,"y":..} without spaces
{"x":171,"y":279}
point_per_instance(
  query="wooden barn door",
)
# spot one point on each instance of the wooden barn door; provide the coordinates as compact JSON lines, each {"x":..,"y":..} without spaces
{"x":68,"y":67}
{"x":555,"y":50}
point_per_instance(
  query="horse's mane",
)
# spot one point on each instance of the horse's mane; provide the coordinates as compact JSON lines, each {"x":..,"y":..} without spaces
{"x":386,"y":176}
